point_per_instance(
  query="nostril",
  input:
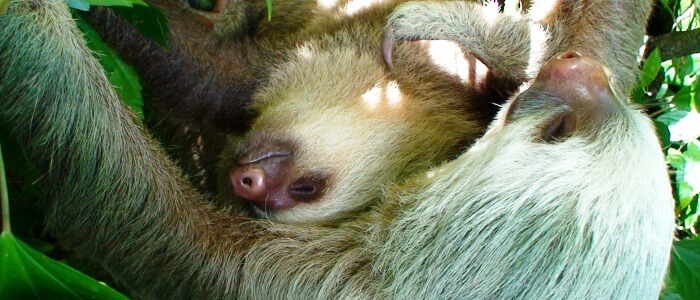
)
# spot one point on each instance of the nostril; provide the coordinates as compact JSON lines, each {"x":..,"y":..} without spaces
{"x":249,"y":184}
{"x":568,"y":55}
{"x":253,"y":180}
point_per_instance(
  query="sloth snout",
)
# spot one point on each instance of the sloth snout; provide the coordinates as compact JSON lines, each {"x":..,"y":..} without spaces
{"x":574,"y":91}
{"x":249,"y":184}
{"x":269,"y":179}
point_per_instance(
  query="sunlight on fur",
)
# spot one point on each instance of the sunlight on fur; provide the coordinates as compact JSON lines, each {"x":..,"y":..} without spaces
{"x":327,"y":4}
{"x":389,"y":94}
{"x":393,"y":94}
{"x":450,"y":58}
{"x":305,"y":51}
{"x":491,"y":11}
{"x":355,"y":6}
{"x":538,"y":36}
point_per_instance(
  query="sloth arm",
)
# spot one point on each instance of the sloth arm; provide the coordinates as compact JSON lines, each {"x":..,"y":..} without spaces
{"x":517,"y":46}
{"x":500,"y":41}
{"x":201,"y":78}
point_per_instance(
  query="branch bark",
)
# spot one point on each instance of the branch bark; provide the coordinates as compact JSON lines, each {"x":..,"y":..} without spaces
{"x":675,"y":44}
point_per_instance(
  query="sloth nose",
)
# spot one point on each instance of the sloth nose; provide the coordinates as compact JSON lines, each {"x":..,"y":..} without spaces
{"x":263,"y":181}
{"x":577,"y":87}
{"x":579,"y":73}
{"x":249,"y":184}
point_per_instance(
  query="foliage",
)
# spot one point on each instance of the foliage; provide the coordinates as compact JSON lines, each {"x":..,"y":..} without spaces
{"x":676,"y":99}
{"x":684,"y":271}
{"x":26,"y":273}
{"x":148,"y":20}
{"x":668,"y":90}
{"x":121,"y":75}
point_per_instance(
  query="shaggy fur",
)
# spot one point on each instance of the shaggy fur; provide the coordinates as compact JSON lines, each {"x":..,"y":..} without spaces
{"x":504,"y":219}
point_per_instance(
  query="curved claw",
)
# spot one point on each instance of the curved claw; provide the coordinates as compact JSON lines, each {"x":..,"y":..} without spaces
{"x":387,"y":46}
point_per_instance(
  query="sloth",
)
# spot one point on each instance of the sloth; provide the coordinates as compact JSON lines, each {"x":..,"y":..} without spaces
{"x":327,"y":127}
{"x":522,"y":213}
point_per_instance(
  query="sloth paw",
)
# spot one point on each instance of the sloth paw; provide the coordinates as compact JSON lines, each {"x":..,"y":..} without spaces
{"x":417,"y":21}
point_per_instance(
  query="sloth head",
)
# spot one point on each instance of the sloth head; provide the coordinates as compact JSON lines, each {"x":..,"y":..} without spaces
{"x":567,"y":175}
{"x":568,"y":134}
{"x":328,"y":140}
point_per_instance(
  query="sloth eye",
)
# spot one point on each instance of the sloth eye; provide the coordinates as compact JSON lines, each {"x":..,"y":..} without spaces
{"x":559,"y":128}
{"x":204,"y":5}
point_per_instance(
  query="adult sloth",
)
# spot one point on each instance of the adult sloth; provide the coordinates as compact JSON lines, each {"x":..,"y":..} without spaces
{"x":524,"y":213}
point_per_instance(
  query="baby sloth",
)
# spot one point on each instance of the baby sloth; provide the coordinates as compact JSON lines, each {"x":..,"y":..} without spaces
{"x":330,"y":126}
{"x":335,"y":127}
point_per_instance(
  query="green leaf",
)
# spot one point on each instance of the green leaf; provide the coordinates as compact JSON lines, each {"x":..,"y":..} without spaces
{"x":669,"y":295}
{"x":78,"y":4}
{"x":84,"y":5}
{"x":693,"y":150}
{"x":676,"y":159}
{"x":685,"y":194}
{"x":691,"y":214}
{"x":269,"y":9}
{"x":695,"y":103}
{"x":683,"y":98}
{"x":27,"y":274}
{"x":652,"y":65}
{"x":687,"y":165}
{"x":3,"y":6}
{"x":683,"y":65}
{"x":121,"y":75}
{"x":688,"y":177}
{"x":664,"y":134}
{"x":127,"y":3}
{"x":672,"y":117}
{"x":148,"y":20}
{"x":684,"y":270}
{"x":664,"y":3}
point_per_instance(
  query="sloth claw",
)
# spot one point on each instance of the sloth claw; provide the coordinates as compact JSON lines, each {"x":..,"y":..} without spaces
{"x":388,"y":46}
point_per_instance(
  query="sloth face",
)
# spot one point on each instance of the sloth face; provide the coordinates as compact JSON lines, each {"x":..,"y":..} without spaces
{"x":326,"y":154}
{"x":567,"y":136}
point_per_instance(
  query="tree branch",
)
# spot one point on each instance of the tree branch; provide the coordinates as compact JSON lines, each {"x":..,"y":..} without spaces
{"x":675,"y":44}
